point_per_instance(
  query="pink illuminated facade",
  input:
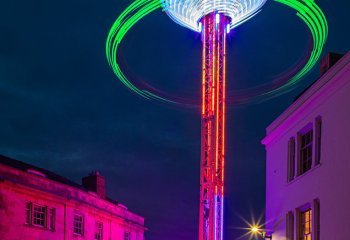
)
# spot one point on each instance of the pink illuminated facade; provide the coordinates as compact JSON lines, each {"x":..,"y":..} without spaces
{"x":308,"y":160}
{"x":36,"y":204}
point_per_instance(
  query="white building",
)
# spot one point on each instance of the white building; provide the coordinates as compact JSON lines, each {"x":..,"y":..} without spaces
{"x":308,"y":161}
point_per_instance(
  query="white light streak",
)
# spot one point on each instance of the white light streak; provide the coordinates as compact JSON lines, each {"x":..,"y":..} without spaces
{"x":217,"y":18}
{"x":188,"y":13}
{"x":228,"y":28}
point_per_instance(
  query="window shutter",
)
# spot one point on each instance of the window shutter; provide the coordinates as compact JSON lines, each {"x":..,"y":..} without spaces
{"x":298,"y":154}
{"x":291,"y":160}
{"x":46,"y":217}
{"x":28,"y":213}
{"x":298,"y":228}
{"x":316,"y":219}
{"x":51,"y":218}
{"x":318,"y":136}
{"x":290,"y":226}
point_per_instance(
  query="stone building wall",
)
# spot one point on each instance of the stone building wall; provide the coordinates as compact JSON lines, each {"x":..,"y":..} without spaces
{"x":18,"y":188}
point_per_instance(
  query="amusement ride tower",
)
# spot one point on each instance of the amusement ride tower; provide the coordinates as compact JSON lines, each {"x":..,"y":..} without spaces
{"x":214,"y":19}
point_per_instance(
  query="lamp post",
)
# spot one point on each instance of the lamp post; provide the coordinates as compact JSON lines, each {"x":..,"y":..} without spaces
{"x":265,"y":236}
{"x":260,"y":232}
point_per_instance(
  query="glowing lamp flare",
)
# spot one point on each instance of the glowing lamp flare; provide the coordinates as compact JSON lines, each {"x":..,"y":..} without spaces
{"x":254,"y":229}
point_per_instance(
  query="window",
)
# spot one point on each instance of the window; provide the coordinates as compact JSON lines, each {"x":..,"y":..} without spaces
{"x":127,"y":236}
{"x":305,"y":151}
{"x":290,"y":226}
{"x":98,"y":231}
{"x":40,"y":216}
{"x":291,"y":160}
{"x":308,"y":150}
{"x":78,"y":224}
{"x":305,"y":224}
{"x":318,"y":135}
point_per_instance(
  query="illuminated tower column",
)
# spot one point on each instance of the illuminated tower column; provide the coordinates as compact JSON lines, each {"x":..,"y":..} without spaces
{"x":213,"y":19}
{"x":214,"y":28}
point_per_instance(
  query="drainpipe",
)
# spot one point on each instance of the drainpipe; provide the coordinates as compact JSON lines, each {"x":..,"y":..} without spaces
{"x":65,"y":222}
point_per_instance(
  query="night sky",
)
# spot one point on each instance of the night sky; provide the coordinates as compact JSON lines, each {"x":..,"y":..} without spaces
{"x":63,"y":109}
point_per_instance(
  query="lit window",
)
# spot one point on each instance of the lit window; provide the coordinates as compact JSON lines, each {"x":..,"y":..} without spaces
{"x":98,"y":231}
{"x":39,"y":216}
{"x":306,"y":224}
{"x":78,"y":224}
{"x":127,"y":236}
{"x":305,"y":152}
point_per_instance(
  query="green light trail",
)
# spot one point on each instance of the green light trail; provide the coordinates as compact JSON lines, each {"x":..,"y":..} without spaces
{"x":314,"y":18}
{"x":131,"y":15}
{"x":307,"y":10}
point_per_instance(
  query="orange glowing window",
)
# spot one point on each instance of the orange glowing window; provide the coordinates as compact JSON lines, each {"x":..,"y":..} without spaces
{"x":306,"y":224}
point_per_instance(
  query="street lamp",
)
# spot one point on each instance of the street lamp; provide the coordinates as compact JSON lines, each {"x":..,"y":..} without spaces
{"x":255,"y":230}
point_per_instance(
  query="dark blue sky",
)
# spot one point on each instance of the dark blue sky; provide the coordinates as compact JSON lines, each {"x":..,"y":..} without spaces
{"x":63,"y":109}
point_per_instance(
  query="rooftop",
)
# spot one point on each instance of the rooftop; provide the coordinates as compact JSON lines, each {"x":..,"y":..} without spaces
{"x":25,"y":167}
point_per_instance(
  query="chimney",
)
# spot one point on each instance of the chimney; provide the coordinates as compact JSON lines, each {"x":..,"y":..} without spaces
{"x":329,"y":61}
{"x":95,"y":182}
